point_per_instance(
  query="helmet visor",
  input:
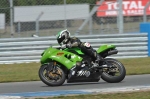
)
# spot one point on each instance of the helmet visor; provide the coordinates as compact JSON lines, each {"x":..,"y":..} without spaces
{"x":60,"y":40}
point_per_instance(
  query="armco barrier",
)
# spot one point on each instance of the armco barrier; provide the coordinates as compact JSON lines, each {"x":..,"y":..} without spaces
{"x":20,"y":50}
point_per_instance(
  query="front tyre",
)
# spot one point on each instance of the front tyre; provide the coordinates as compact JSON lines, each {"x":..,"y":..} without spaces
{"x":115,"y":73}
{"x":51,"y":77}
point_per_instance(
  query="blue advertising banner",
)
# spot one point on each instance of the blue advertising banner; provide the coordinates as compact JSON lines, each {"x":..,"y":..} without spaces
{"x":145,"y":28}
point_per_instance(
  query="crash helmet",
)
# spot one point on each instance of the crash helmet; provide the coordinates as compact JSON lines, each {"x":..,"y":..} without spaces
{"x":63,"y":36}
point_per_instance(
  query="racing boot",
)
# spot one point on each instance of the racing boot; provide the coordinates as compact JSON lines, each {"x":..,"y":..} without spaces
{"x":98,"y":61}
{"x":74,"y":70}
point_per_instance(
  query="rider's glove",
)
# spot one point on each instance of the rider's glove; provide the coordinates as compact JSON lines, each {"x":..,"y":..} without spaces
{"x":68,"y":45}
{"x":63,"y":46}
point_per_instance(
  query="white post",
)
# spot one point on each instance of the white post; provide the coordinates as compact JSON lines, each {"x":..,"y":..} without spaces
{"x":37,"y":23}
{"x":19,"y":28}
{"x":11,"y":18}
{"x":90,"y":26}
{"x":65,"y":21}
{"x":120,"y":19}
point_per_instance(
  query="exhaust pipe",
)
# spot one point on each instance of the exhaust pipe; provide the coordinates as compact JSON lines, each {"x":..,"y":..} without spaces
{"x":115,"y":51}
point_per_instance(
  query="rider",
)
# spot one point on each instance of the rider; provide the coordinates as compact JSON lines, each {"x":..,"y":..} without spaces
{"x":64,"y":39}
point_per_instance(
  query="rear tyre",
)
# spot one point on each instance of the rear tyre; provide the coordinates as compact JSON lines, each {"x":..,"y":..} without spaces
{"x":51,"y":78}
{"x":114,"y":74}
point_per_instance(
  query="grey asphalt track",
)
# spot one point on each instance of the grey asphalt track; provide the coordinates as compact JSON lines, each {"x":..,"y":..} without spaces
{"x":36,"y":86}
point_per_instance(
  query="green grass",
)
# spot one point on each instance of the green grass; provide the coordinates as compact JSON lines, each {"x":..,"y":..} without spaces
{"x":19,"y":72}
{"x":127,"y":95}
{"x":29,"y":71}
{"x":137,"y":65}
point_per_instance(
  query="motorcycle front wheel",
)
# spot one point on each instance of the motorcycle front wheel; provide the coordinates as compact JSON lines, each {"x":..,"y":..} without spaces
{"x":116,"y":71}
{"x":52,"y":77}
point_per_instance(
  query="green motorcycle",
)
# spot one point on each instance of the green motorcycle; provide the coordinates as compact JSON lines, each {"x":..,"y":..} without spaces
{"x":57,"y":63}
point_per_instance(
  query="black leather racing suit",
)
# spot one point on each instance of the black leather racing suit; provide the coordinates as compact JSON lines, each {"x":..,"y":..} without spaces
{"x":84,"y":46}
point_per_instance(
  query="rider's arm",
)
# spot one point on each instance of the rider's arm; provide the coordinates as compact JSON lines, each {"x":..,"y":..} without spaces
{"x":75,"y":42}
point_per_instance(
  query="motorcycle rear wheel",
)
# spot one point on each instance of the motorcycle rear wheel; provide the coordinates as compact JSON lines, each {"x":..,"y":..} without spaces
{"x":49,"y":78}
{"x":115,"y":74}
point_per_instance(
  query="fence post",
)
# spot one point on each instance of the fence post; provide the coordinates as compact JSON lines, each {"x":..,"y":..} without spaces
{"x":19,"y":28}
{"x":145,"y":28}
{"x":120,"y":15}
{"x":144,"y":16}
{"x":11,"y":18}
{"x":65,"y":19}
{"x":37,"y":23}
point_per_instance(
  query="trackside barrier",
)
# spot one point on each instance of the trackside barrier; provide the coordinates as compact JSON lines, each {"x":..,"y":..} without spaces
{"x":22,"y":50}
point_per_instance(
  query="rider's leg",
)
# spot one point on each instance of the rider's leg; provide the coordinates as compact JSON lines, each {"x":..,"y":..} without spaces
{"x":98,"y":57}
{"x":91,"y":52}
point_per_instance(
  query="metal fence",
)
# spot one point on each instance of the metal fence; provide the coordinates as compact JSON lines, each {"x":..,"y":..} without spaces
{"x":13,"y":25}
{"x":21,"y":50}
{"x":146,"y":17}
